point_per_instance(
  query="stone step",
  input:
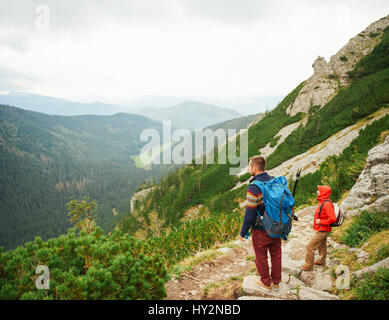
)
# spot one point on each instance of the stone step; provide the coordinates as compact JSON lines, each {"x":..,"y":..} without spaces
{"x":306,"y":293}
{"x":294,"y":282}
{"x":292,"y":267}
{"x":256,"y":298}
{"x":323,"y":282}
{"x":250,"y":287}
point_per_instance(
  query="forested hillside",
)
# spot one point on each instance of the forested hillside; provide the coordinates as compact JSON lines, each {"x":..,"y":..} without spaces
{"x":45,"y":160}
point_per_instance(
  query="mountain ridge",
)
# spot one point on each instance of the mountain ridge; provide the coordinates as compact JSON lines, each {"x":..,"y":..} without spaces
{"x":191,"y":114}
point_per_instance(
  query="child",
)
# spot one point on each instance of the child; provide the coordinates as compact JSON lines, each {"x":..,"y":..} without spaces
{"x":322,"y":227}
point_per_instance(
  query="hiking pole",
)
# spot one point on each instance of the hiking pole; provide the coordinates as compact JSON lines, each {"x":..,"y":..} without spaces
{"x":296,"y":181}
{"x":298,"y":173}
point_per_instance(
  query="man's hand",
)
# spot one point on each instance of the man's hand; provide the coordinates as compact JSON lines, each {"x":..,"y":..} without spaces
{"x":242,"y":239}
{"x":317,"y":221}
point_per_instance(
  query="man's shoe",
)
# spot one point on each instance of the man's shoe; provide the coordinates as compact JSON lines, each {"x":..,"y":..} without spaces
{"x":307,"y":268}
{"x":319,"y":263}
{"x":262,"y":286}
{"x":276,"y":287}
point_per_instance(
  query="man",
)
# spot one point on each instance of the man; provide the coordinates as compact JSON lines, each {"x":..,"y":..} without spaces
{"x":262,"y":243}
{"x":322,"y":228}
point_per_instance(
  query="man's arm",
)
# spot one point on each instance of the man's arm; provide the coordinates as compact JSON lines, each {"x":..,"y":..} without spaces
{"x":253,"y":200}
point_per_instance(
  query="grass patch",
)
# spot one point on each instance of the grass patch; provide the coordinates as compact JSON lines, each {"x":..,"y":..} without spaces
{"x":229,"y":289}
{"x":346,"y":258}
{"x":363,"y":227}
{"x":377,"y":246}
{"x":189,"y":263}
{"x":274,"y":141}
{"x":338,"y":232}
{"x":245,"y":177}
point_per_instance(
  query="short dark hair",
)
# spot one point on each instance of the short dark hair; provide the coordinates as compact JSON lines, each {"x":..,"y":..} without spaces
{"x":259,"y":162}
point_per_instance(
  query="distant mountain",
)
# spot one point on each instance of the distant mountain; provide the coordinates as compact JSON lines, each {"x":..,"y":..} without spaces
{"x":58,"y":106}
{"x":190,"y":114}
{"x":46,"y":159}
{"x":245,"y":106}
{"x":155,"y":101}
{"x":248,"y":106}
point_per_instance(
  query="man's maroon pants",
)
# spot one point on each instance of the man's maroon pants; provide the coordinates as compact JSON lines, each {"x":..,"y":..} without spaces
{"x":262,"y":243}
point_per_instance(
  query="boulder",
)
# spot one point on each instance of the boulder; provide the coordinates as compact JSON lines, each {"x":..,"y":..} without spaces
{"x":362,"y":256}
{"x":306,"y":293}
{"x":323,"y":282}
{"x":291,"y":266}
{"x":373,"y":268}
{"x":294,"y":282}
{"x":308,"y":277}
{"x":249,"y":286}
{"x":370,"y":192}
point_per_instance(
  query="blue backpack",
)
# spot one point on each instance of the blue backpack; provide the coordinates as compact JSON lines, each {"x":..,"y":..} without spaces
{"x":279,"y":202}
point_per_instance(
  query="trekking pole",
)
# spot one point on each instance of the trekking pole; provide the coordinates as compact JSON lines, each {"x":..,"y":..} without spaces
{"x":296,"y":181}
{"x":298,"y":173}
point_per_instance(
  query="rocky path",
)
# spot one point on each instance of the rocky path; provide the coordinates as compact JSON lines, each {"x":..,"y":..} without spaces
{"x":232,"y":273}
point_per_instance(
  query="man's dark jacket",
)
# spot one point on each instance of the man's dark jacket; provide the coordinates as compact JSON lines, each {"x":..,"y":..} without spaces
{"x":254,"y":204}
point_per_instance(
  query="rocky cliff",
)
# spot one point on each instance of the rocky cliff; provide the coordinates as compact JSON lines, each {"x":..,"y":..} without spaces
{"x":372,"y":188}
{"x":328,"y":77}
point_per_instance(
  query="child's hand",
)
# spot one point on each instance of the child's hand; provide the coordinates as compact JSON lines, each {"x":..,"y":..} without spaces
{"x":317,"y":221}
{"x":242,"y":239}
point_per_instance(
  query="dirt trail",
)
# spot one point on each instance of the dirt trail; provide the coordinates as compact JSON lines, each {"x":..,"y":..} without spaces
{"x":231,"y":274}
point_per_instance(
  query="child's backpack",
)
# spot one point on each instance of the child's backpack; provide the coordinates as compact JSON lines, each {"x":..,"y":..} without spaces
{"x":279,"y":203}
{"x":338,"y":213}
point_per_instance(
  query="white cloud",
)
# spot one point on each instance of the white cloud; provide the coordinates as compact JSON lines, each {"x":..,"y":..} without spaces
{"x":117,"y":50}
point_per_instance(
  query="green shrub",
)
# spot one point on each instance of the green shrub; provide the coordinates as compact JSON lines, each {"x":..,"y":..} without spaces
{"x":364,"y":226}
{"x":245,"y":177}
{"x":373,"y":287}
{"x":274,"y":141}
{"x":88,"y":266}
{"x":382,"y":252}
{"x":117,"y":266}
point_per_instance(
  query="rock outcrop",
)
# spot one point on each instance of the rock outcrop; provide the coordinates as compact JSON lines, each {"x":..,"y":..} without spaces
{"x":329,"y":76}
{"x":371,"y":191}
{"x":373,"y":268}
{"x":139,"y":195}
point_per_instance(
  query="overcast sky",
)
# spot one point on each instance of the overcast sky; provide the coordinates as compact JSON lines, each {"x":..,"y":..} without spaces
{"x":115,"y":51}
